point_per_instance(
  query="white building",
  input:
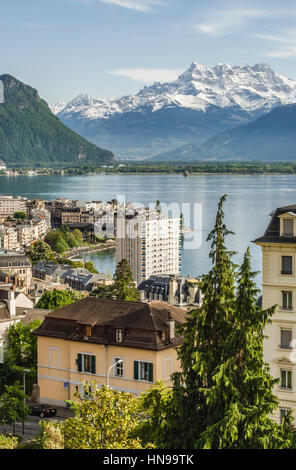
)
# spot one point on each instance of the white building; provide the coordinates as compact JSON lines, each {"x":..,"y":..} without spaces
{"x":279,"y":288}
{"x":9,"y":205}
{"x":150,"y":242}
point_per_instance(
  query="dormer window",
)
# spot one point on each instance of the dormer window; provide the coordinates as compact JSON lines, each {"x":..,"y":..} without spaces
{"x":88,"y":331}
{"x":288,"y":227}
{"x":119,"y":336}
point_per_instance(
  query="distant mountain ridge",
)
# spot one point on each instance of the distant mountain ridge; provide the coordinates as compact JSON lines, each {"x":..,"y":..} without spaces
{"x":30,"y":134}
{"x":272,"y":137}
{"x":202,"y":102}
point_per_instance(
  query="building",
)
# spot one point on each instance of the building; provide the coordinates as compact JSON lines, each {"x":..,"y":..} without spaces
{"x":150,"y":242}
{"x":85,"y":341}
{"x":9,"y":238}
{"x":15,"y":307}
{"x":9,"y":205}
{"x":176,"y":290}
{"x":278,"y":246}
{"x":76,"y":278}
{"x":2,"y":165}
{"x":16,"y":266}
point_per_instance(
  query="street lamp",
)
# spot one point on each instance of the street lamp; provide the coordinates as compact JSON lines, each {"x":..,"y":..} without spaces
{"x":109,"y":370}
{"x":24,"y":376}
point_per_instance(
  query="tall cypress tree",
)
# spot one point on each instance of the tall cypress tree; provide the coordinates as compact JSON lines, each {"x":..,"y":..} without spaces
{"x":240,"y":402}
{"x":222,"y":398}
{"x":124,"y":286}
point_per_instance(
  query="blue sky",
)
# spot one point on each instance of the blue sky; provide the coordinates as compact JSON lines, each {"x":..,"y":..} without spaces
{"x":108,"y":48}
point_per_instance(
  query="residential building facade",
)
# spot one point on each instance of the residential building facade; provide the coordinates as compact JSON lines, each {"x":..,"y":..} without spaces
{"x":16,"y":266}
{"x":278,"y":246}
{"x":150,"y":242}
{"x":126,"y":345}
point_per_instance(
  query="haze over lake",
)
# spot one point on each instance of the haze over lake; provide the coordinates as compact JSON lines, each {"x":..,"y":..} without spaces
{"x":250,"y":201}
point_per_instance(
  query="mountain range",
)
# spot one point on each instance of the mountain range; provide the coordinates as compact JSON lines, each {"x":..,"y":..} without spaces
{"x":271,"y":137}
{"x":203,"y":102}
{"x":30,"y":134}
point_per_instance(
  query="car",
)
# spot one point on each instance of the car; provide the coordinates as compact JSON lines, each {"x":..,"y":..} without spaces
{"x":42,"y":410}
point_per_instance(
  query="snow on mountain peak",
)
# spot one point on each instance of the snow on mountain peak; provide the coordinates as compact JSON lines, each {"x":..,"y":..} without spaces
{"x":254,"y":89}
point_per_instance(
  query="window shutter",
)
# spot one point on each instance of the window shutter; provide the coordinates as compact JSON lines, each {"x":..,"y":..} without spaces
{"x":93,"y":364}
{"x":136,"y":370}
{"x":79,"y":362}
{"x":150,"y":377}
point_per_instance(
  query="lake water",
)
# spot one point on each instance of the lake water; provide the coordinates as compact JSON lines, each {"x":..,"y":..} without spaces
{"x":250,"y":201}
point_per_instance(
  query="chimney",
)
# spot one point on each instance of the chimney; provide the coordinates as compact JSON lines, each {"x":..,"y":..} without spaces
{"x":11,"y":304}
{"x":173,"y":286}
{"x":171,"y":325}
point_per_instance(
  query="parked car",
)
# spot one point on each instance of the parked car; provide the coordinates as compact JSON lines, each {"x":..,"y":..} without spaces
{"x":44,"y":411}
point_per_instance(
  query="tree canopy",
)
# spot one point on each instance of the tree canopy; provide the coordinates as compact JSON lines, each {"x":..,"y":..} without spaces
{"x":123,"y":288}
{"x":223,"y":395}
{"x":52,"y":300}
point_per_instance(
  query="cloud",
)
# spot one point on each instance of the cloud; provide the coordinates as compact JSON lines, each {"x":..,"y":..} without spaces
{"x":226,"y":22}
{"x":148,"y":75}
{"x":237,"y":18}
{"x":286,"y":38}
{"x":139,"y":5}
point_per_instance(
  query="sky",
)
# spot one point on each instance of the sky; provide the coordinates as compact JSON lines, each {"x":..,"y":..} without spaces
{"x":110,"y":48}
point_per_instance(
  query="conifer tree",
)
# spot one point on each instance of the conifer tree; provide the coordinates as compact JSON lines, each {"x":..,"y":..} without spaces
{"x":222,"y":397}
{"x":124,"y":286}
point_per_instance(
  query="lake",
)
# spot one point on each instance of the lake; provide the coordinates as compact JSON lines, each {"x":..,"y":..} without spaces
{"x":251,"y":198}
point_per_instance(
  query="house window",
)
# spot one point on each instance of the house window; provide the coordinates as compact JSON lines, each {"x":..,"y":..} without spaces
{"x":88,"y":331}
{"x":286,"y":379}
{"x":143,"y":371}
{"x":288,"y":227}
{"x":287,"y":300}
{"x":118,"y":369}
{"x":86,"y":363}
{"x":286,"y":338}
{"x":287,"y":265}
{"x":119,"y":336}
{"x":283,"y":413}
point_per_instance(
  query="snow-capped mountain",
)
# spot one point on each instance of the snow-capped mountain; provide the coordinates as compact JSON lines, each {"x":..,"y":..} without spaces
{"x":200,"y":103}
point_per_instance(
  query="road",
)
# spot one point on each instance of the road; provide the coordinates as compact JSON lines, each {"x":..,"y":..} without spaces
{"x":31,"y":427}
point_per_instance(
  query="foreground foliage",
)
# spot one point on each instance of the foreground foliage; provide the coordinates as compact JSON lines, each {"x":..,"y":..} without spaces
{"x":108,"y":420}
{"x":223,"y":396}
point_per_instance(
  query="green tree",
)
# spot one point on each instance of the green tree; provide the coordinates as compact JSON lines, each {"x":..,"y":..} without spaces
{"x":20,"y":215}
{"x":78,"y":235}
{"x":124,"y":286}
{"x":8,"y":442}
{"x":222,"y":397}
{"x":90,"y":266}
{"x":22,"y":344}
{"x":40,"y":251}
{"x":52,"y":300}
{"x":12,"y":406}
{"x":104,"y":292}
{"x":107,"y":421}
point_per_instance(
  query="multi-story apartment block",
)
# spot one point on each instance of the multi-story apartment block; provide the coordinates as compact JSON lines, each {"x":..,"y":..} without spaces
{"x":150,"y":242}
{"x":126,"y":345}
{"x":279,"y":288}
{"x":9,"y":205}
{"x":18,"y":267}
{"x":9,"y":239}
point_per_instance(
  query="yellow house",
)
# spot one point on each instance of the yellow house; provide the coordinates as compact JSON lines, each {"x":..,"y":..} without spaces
{"x":279,"y":288}
{"x":126,"y":345}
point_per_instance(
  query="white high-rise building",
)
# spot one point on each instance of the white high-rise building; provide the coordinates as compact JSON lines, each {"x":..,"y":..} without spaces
{"x":150,"y":242}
